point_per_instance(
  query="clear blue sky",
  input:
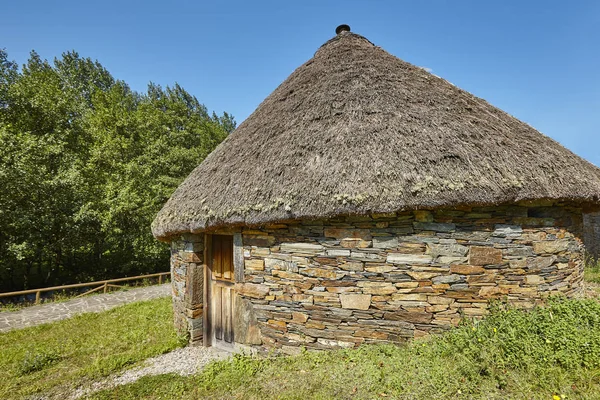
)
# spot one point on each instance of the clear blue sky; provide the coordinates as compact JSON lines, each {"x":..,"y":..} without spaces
{"x":537,"y":60}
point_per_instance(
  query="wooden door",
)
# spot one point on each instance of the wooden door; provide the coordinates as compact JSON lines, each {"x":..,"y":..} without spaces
{"x":222,"y":295}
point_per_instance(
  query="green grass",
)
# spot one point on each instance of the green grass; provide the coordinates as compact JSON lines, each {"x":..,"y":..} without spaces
{"x":592,"y":272}
{"x":55,"y":358}
{"x":552,"y":351}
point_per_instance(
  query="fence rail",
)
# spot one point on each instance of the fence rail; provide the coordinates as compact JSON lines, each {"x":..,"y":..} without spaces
{"x":101,"y":285}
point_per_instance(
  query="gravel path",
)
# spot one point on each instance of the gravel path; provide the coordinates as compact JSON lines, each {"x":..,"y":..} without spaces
{"x":185,"y":361}
{"x":50,"y":312}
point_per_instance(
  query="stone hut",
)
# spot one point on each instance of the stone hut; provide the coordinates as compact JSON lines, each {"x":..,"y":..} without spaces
{"x":366,"y":200}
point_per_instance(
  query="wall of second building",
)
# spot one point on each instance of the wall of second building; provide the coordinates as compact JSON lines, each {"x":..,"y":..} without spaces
{"x":386,"y":278}
{"x":591,"y":237}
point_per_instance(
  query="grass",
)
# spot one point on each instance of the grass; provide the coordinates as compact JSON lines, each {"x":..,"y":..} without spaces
{"x":55,"y":358}
{"x":592,"y":272}
{"x":512,"y":354}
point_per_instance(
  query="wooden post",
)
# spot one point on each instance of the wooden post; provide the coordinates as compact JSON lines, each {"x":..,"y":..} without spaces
{"x":37,"y":297}
{"x":160,"y":279}
{"x":206,"y":297}
{"x":105,"y":287}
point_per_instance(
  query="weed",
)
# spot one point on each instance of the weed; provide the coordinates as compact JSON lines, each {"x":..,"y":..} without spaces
{"x":36,"y":360}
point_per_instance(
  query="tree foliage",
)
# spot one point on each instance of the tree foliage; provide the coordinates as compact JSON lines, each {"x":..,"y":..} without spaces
{"x":85,"y":165}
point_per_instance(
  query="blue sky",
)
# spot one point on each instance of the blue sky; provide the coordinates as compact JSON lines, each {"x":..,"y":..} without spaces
{"x":537,"y":60}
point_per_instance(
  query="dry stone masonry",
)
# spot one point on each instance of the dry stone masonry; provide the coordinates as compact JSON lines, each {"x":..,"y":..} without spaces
{"x":350,"y":280}
{"x":187,"y":257}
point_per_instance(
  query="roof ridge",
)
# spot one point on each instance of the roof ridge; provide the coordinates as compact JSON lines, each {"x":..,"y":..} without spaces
{"x":342,"y":36}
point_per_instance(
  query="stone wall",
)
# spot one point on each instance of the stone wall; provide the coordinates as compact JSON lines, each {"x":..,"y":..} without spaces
{"x":591,"y":235}
{"x":187,"y":277}
{"x":386,"y":278}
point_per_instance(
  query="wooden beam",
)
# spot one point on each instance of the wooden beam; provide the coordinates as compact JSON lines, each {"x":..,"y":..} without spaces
{"x":206,"y":317}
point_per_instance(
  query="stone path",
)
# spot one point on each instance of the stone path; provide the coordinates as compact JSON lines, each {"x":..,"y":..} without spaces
{"x":186,"y":361}
{"x":44,"y":313}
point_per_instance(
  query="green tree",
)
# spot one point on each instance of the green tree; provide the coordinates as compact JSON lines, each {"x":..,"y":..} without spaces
{"x":85,"y":166}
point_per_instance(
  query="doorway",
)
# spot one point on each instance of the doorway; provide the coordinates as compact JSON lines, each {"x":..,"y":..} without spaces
{"x":221,"y":291}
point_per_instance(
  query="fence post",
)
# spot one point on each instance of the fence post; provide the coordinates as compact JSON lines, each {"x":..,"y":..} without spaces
{"x":160,"y":279}
{"x":105,"y":287}
{"x":37,"y":297}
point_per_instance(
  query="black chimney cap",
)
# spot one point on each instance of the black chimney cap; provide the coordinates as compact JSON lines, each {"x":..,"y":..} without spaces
{"x":342,"y":28}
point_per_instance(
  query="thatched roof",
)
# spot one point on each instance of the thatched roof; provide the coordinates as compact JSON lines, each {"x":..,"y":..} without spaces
{"x":356,"y":130}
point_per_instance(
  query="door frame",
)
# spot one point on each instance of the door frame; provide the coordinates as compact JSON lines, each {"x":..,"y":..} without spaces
{"x":206,"y":295}
{"x":208,"y":333}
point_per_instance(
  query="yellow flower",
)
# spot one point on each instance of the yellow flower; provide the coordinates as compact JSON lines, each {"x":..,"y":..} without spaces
{"x":495,"y":330}
{"x":473,"y":329}
{"x":555,"y":397}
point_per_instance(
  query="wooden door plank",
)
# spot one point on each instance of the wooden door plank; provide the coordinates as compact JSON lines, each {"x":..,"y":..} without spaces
{"x":227,"y":257}
{"x":215,"y":251}
{"x":217,"y":256}
{"x":227,"y":321}
{"x":218,"y":312}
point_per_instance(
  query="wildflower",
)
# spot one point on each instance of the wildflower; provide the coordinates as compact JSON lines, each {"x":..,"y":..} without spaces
{"x":473,"y":328}
{"x":495,"y":330}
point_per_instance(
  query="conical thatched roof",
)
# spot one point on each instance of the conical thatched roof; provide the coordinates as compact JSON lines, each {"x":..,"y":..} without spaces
{"x":356,"y":130}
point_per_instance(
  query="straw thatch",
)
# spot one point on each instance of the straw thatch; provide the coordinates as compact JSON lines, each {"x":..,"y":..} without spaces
{"x":356,"y":130}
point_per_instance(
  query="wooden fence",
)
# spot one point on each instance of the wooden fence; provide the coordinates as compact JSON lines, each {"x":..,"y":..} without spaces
{"x":101,"y":285}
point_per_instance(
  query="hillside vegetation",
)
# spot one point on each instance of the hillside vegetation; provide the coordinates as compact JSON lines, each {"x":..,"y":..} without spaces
{"x":86,"y":163}
{"x":549,"y":353}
